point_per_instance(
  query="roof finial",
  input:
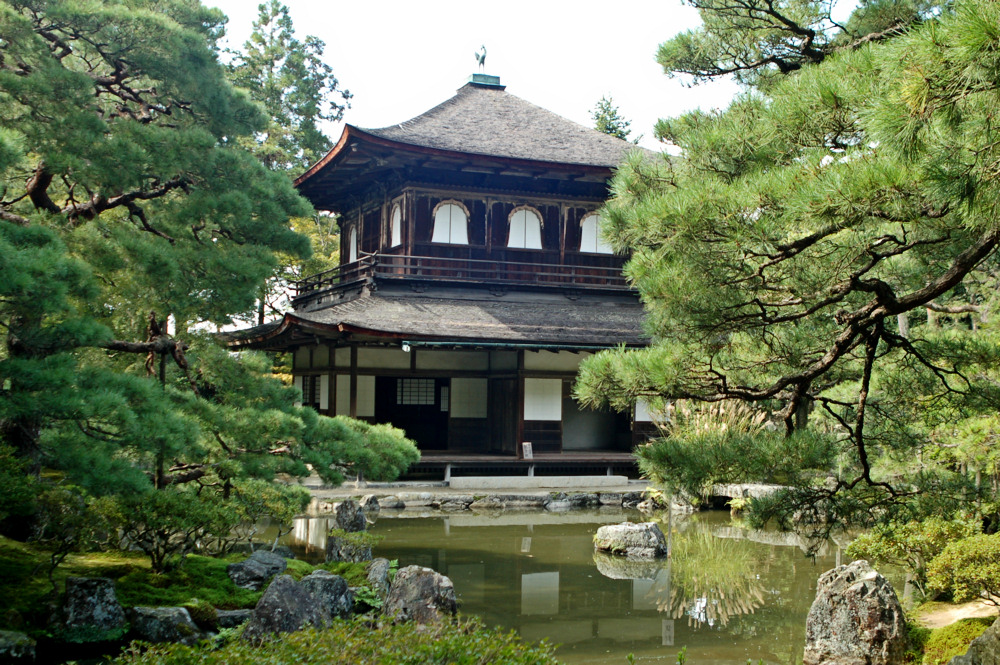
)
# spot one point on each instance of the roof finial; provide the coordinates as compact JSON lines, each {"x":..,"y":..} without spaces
{"x":481,"y":58}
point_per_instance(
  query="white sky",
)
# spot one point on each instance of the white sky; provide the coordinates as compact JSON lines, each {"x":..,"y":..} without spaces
{"x":400,"y":58}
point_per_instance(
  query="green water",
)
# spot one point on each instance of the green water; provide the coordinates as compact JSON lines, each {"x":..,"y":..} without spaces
{"x":726,"y":594}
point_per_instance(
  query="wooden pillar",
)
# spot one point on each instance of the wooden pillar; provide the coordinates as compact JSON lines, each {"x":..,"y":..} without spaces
{"x":519,"y":438}
{"x":354,"y":381}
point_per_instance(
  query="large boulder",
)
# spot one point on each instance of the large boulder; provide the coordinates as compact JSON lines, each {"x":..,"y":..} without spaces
{"x":163,"y":624}
{"x":421,"y":595}
{"x":91,"y":611}
{"x":378,"y":577}
{"x":285,"y":607}
{"x":984,"y":650}
{"x":369,"y":504}
{"x":636,"y":541}
{"x":349,"y":516}
{"x":856,"y":619}
{"x":335,"y":600}
{"x":256,"y":570}
{"x":16,"y":647}
{"x":339,"y":548}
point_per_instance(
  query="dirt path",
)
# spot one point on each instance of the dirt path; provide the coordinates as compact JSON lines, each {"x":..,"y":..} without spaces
{"x":943,"y":614}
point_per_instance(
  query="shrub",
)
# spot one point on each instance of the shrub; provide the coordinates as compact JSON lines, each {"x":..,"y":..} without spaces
{"x":348,"y":642}
{"x":945,"y":643}
{"x":199,"y":577}
{"x":968,"y":569}
{"x":912,"y":544}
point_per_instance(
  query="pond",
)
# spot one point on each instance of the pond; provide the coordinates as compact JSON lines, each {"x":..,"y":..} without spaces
{"x":727,"y":594}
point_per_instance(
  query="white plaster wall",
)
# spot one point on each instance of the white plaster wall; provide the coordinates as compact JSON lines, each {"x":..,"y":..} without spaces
{"x":321,"y":356}
{"x":468,"y":398}
{"x":642,"y":414}
{"x":324,"y":391}
{"x":297,"y":382}
{"x":343,"y":398}
{"x":553,"y":361}
{"x":503,"y":359}
{"x":543,"y":399}
{"x":469,"y":360}
{"x":342,"y":356}
{"x":383,"y":358}
{"x":302,"y":358}
{"x":366,"y":396}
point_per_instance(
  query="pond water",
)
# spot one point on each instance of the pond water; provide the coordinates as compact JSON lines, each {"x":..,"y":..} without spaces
{"x":727,"y":594}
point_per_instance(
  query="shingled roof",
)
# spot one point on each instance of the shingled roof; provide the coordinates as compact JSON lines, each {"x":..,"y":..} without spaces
{"x":487,"y":120}
{"x":556,"y":321}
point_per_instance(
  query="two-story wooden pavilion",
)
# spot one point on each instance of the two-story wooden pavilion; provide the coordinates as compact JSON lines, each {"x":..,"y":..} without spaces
{"x":473,"y":281}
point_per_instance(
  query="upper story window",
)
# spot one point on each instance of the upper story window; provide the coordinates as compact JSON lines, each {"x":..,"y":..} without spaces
{"x":525,"y":229}
{"x":396,"y":226}
{"x":590,"y":235}
{"x":451,"y":223}
{"x":352,"y":245}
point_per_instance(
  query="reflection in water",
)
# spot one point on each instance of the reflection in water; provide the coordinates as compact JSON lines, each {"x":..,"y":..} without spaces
{"x":710,"y":579}
{"x":724,"y":595}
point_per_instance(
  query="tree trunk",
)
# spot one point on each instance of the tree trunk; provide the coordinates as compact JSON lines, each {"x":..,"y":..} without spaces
{"x":904,"y":325}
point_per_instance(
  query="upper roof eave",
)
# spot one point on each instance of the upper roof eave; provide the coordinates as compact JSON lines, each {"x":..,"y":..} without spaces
{"x":351,"y":132}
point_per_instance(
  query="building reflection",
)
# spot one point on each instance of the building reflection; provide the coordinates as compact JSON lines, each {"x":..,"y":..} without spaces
{"x":540,"y":576}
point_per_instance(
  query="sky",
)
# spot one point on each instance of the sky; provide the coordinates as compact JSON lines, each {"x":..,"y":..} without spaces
{"x":401,"y":58}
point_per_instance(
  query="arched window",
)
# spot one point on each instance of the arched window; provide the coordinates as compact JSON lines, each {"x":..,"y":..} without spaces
{"x":590,"y":235}
{"x":352,"y":245}
{"x":525,"y":229}
{"x":396,"y":226}
{"x":451,"y":223}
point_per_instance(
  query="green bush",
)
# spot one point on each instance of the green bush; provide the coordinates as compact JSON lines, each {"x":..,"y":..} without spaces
{"x":968,"y":569}
{"x":945,"y":643}
{"x":354,"y":641}
{"x":912,"y":544}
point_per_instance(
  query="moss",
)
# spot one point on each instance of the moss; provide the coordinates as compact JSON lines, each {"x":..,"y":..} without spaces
{"x":945,"y":643}
{"x":202,"y":613}
{"x":199,"y":577}
{"x":356,"y":641}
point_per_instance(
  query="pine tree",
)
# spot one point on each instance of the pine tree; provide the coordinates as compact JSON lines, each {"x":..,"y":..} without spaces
{"x":801,"y":254}
{"x":129,"y":216}
{"x":607,"y":119}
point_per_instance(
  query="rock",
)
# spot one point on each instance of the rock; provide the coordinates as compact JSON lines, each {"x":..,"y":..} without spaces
{"x":420,"y":595}
{"x":391,"y":503}
{"x":378,"y":576}
{"x":233,"y":618}
{"x":283,"y":551}
{"x":255,"y":571}
{"x":583,"y":500}
{"x":558,"y":505}
{"x":339,"y":548}
{"x":855,"y":619}
{"x":285,"y":607}
{"x":331,"y":594}
{"x":370,"y":504}
{"x":637,"y":541}
{"x":16,"y":647}
{"x":91,"y":612}
{"x":163,"y":624}
{"x":488,"y":502}
{"x":631,"y":499}
{"x":453,"y":502}
{"x":349,"y":516}
{"x":610,"y":498}
{"x":416,"y":499}
{"x":984,"y":650}
{"x":624,"y":568}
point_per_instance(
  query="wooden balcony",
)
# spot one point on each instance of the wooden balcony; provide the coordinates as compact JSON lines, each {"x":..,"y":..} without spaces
{"x":583,"y":273}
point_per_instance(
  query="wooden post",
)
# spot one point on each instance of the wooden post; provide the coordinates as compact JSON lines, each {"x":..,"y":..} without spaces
{"x":520,"y":403}
{"x":354,"y":381}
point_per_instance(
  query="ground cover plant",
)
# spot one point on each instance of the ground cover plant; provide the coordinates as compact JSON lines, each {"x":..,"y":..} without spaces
{"x":359,"y":642}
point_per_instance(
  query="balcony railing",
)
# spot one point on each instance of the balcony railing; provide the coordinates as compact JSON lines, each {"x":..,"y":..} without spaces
{"x":473,"y":271}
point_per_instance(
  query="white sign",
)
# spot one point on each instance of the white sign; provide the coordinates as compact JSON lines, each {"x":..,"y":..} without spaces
{"x":526,"y":450}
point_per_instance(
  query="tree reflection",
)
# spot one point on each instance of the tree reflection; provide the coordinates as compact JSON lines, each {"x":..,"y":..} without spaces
{"x":709,"y":580}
